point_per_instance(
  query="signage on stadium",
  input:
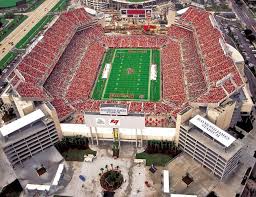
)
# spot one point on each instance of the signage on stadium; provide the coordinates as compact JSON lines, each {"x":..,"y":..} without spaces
{"x":132,"y":121}
{"x":100,"y":121}
{"x":114,"y":122}
{"x":136,"y":13}
{"x":212,"y":130}
{"x":113,"y":109}
{"x":111,"y":122}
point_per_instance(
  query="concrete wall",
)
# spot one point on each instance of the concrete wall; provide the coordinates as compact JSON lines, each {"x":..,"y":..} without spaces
{"x":148,"y":133}
{"x":222,"y":116}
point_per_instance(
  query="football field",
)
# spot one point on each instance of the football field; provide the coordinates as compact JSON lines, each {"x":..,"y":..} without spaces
{"x":128,"y":75}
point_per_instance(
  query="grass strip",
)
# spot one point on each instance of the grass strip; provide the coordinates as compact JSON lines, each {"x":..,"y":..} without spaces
{"x":157,"y":159}
{"x":7,"y":59}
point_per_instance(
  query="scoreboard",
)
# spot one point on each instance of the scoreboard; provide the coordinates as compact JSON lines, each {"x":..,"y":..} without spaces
{"x":136,"y":13}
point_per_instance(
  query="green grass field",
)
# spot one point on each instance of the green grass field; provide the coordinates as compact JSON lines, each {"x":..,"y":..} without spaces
{"x":9,"y":3}
{"x":7,"y":59}
{"x":129,"y":77}
{"x":157,"y":159}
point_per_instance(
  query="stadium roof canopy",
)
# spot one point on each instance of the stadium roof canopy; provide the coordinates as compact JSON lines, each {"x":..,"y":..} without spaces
{"x":21,"y":122}
{"x":91,"y":11}
{"x":182,"y":11}
{"x":236,"y":56}
{"x":212,"y":130}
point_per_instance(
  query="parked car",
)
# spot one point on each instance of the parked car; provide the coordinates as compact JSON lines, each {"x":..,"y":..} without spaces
{"x":251,"y":65}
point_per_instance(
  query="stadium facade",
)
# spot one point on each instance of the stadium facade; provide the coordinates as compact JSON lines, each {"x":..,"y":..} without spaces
{"x":27,"y":148}
{"x":121,"y":4}
{"x":200,"y":74}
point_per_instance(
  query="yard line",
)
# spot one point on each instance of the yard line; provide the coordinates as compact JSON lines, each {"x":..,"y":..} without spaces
{"x":102,"y":97}
{"x":149,"y":81}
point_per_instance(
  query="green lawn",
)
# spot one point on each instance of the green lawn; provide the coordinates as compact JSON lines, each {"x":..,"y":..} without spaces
{"x":7,"y":59}
{"x":8,"y":3}
{"x":76,"y":154}
{"x":157,"y":159}
{"x":12,"y":3}
{"x":3,"y":20}
{"x":129,"y":75}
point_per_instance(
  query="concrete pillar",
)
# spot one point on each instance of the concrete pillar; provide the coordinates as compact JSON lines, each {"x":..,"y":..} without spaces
{"x":91,"y":135}
{"x":136,"y":138}
{"x":96,"y":133}
{"x":119,"y":138}
{"x":141,"y":139}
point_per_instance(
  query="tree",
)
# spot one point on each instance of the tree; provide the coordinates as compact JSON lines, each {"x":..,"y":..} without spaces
{"x":162,"y":146}
{"x":251,"y":37}
{"x":172,"y":145}
{"x":9,"y":15}
{"x":239,"y":2}
{"x":247,"y":31}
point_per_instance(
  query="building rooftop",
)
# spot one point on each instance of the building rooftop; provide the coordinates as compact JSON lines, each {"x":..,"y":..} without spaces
{"x":21,"y":122}
{"x":225,"y":152}
{"x":49,"y":159}
{"x":6,"y":171}
{"x":24,"y":132}
{"x":212,"y":130}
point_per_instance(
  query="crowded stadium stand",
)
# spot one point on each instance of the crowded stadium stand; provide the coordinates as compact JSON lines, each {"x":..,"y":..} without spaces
{"x":64,"y":65}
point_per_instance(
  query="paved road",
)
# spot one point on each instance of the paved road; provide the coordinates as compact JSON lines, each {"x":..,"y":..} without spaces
{"x":244,"y":14}
{"x":234,"y":28}
{"x":34,"y":17}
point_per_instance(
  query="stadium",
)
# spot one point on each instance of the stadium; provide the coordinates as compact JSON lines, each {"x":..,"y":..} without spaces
{"x":184,"y":84}
{"x":77,"y":68}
